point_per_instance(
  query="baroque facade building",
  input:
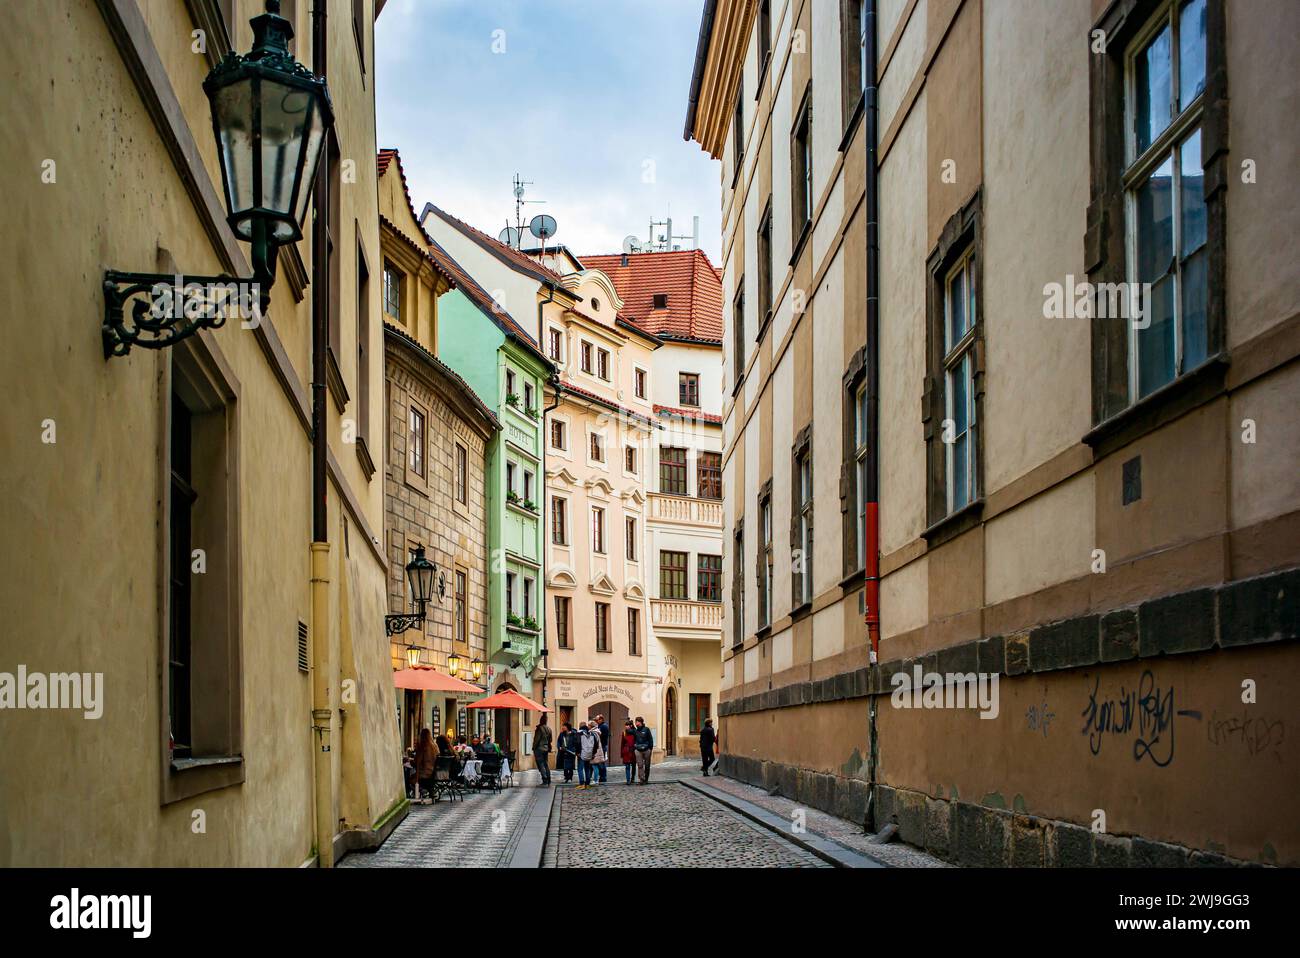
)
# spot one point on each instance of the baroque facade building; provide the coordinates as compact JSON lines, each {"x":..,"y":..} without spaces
{"x":227,"y":669}
{"x":677,"y":296}
{"x":1078,"y":506}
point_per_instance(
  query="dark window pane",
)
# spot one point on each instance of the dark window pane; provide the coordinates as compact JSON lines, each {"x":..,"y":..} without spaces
{"x":1155,"y":224}
{"x":1192,"y":200}
{"x":1191,"y":52}
{"x":1152,"y":86}
{"x":1156,"y":342}
{"x":1195,"y":335}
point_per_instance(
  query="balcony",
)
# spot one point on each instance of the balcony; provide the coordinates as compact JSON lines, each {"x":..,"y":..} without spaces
{"x":686,"y":510}
{"x":683,"y":619}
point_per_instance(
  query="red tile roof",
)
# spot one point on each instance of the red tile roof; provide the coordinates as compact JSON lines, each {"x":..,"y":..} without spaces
{"x":568,"y":387}
{"x":692,"y":284}
{"x":696,"y":414}
{"x":382,"y":162}
{"x":512,"y":257}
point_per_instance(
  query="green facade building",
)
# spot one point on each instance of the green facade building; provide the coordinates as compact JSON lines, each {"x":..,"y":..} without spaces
{"x":507,"y":369}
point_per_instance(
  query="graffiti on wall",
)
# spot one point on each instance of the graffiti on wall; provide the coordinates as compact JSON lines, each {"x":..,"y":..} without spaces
{"x":1145,"y":714}
{"x":1258,"y":736}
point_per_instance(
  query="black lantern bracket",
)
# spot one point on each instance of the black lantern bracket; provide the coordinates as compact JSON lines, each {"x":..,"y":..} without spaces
{"x":154,"y":311}
{"x":424,"y":577}
{"x":397,"y":624}
{"x":268,"y":111}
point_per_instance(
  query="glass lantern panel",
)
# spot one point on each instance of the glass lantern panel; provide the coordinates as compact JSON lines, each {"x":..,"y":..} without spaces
{"x":313,"y":147}
{"x":233,"y":112}
{"x":284,"y":121}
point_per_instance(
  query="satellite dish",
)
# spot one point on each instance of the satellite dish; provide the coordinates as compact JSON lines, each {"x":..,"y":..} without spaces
{"x":542,"y":226}
{"x":631,"y":243}
{"x":509,"y":236}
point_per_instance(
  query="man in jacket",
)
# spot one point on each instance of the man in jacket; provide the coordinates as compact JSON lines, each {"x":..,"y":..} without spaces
{"x":542,"y":749}
{"x":566,"y":745}
{"x":603,"y":727}
{"x":588,"y":746}
{"x":644,"y":745}
{"x":708,"y":739}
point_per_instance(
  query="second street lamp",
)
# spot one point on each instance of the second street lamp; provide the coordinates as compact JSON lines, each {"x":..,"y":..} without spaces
{"x":421,"y":576}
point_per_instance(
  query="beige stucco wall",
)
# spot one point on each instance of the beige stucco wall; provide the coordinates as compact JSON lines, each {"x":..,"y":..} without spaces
{"x":96,"y":491}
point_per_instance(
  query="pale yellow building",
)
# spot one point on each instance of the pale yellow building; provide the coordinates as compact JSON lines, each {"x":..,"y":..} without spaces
{"x":256,"y":727}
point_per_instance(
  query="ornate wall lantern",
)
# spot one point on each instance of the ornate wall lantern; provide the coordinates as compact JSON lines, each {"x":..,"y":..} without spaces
{"x":421,"y":574}
{"x":270,"y":116}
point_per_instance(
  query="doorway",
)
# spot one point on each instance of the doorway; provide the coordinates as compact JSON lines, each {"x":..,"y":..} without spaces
{"x":670,"y":721}
{"x":615,"y":715}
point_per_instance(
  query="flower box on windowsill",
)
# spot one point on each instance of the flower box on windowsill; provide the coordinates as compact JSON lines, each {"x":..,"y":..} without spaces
{"x":512,"y":399}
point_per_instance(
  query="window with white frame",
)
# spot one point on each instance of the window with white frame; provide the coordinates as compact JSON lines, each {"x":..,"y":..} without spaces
{"x":598,"y":530}
{"x":959,"y":321}
{"x":1166,"y":221}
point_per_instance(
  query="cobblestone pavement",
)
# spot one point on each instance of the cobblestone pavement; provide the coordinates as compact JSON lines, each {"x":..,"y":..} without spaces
{"x":840,"y":830}
{"x":661,"y":824}
{"x":480,"y":832}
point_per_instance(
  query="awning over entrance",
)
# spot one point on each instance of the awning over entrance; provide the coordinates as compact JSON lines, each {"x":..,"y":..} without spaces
{"x":431,"y":680}
{"x":508,"y":699}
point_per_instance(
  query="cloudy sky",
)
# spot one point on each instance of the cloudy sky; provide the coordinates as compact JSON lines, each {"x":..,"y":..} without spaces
{"x":587,"y":99}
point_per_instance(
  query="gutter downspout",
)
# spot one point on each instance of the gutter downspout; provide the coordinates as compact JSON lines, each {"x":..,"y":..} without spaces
{"x":872,"y":497}
{"x":322,"y":714}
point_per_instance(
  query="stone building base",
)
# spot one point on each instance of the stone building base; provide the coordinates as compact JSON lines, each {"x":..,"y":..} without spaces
{"x":965,"y":833}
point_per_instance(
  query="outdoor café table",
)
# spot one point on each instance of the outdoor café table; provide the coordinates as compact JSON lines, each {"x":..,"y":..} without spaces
{"x":470,"y":770}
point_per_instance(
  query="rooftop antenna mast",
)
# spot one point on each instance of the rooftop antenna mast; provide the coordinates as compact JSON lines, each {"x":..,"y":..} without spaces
{"x":666,"y":243}
{"x":520,"y":185}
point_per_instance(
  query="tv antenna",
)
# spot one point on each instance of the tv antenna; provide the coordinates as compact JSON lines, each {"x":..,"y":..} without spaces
{"x":665,"y":241}
{"x":520,"y":185}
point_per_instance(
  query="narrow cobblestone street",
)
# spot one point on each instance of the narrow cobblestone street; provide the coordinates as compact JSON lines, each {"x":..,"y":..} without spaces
{"x":481,"y":832}
{"x":662,"y":824}
{"x":612,"y":825}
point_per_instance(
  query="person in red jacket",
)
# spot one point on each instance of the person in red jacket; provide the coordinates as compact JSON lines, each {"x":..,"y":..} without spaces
{"x":628,"y":751}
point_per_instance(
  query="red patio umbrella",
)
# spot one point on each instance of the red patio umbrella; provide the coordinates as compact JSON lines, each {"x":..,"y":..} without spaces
{"x":431,"y":680}
{"x":509,"y":699}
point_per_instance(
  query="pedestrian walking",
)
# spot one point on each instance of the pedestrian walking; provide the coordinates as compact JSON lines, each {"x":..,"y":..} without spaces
{"x":643,"y":744}
{"x":603,"y":727}
{"x":599,"y":756}
{"x":542,"y":749}
{"x":627,"y":751}
{"x":566,"y":744}
{"x":588,"y":742}
{"x":708,"y":741}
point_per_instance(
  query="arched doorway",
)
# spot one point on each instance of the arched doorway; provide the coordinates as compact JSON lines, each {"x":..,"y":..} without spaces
{"x":670,"y":722}
{"x":503,"y":721}
{"x":615,"y":715}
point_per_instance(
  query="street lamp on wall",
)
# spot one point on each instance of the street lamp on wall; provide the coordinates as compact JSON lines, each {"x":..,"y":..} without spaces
{"x":421,"y":575}
{"x":453,"y":663}
{"x":413,"y":656}
{"x":476,"y":667}
{"x":270,"y":117}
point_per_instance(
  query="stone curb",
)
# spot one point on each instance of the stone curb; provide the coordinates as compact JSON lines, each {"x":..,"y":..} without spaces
{"x":824,"y":848}
{"x":532,"y":842}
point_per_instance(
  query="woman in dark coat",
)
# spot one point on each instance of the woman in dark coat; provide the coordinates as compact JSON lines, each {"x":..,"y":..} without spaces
{"x":628,"y":751}
{"x":566,"y":745}
{"x":426,"y":754}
